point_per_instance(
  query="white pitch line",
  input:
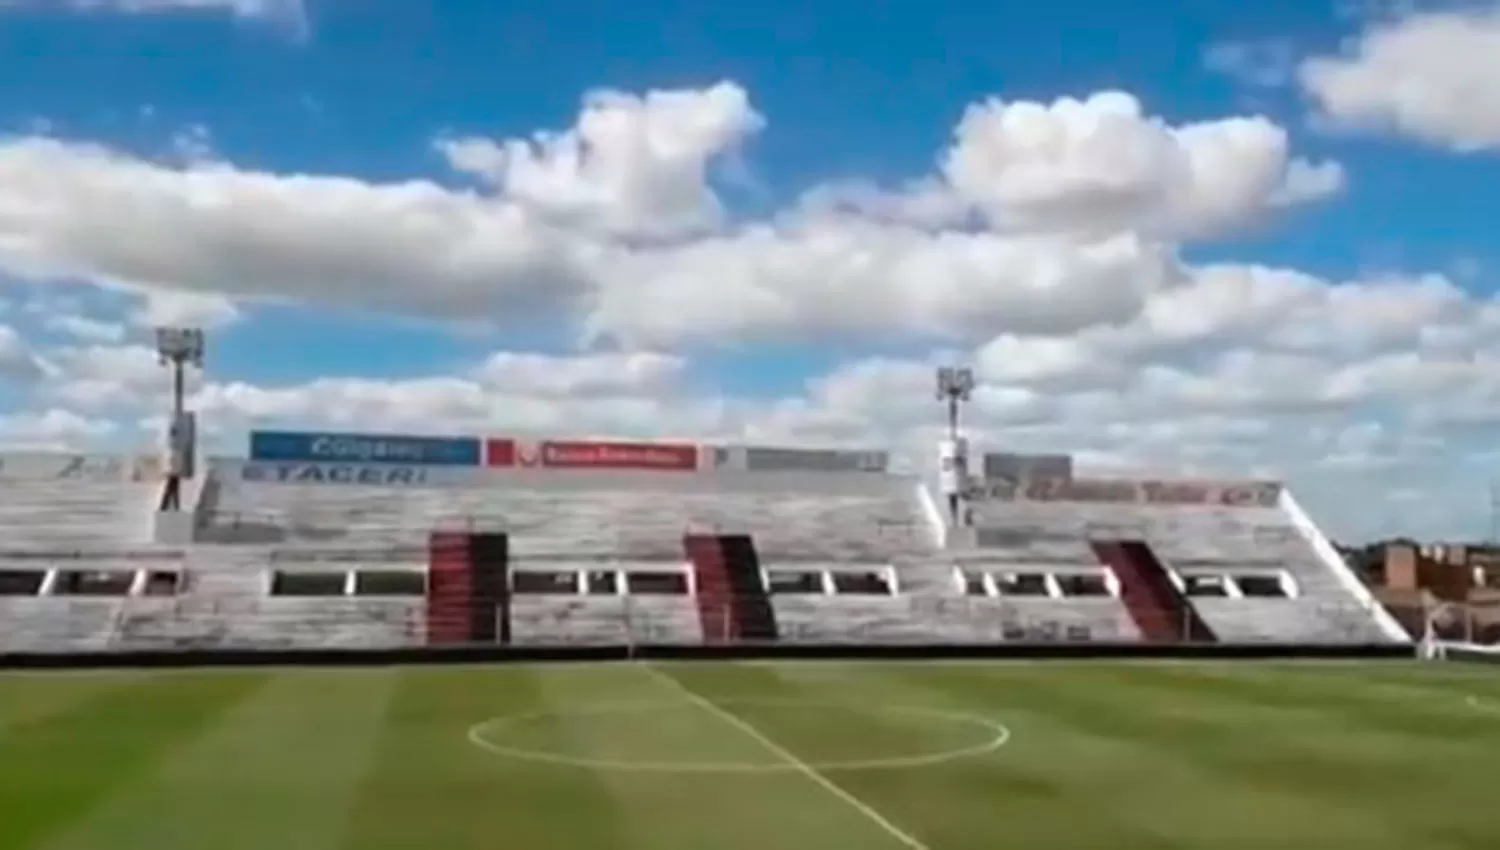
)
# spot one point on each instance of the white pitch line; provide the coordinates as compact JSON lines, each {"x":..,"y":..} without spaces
{"x":789,"y":757}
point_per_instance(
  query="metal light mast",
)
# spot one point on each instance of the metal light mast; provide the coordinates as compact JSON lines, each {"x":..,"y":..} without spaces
{"x":179,"y":348}
{"x":954,"y":387}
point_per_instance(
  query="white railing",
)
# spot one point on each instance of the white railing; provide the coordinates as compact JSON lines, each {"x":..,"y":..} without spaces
{"x":1340,"y":569}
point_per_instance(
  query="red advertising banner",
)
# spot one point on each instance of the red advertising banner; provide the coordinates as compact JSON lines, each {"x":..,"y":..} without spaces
{"x":499,"y":452}
{"x":577,"y":454}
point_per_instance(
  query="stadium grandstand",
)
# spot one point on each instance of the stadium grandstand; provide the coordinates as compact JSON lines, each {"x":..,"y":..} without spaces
{"x":319,"y":540}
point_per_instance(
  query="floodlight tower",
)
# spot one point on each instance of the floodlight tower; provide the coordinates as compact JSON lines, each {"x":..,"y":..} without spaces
{"x":179,"y":348}
{"x":954,"y":387}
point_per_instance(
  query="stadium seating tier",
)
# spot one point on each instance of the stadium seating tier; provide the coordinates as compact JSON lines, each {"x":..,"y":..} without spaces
{"x":59,"y":517}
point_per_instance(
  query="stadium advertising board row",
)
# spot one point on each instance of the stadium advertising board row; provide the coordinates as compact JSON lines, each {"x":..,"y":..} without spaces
{"x":1244,"y":494}
{"x":809,"y":460}
{"x":311,"y":451}
{"x":365,"y":449}
{"x":1021,"y":467}
{"x":591,"y":454}
{"x":675,"y":457}
{"x":357,"y":474}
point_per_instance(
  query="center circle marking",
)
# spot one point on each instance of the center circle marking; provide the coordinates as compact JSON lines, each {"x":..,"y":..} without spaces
{"x":997,"y":735}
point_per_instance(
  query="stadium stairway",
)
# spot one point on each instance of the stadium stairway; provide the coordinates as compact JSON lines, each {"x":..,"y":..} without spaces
{"x":755,"y":618}
{"x":1161,"y":611}
{"x":733,"y":603}
{"x":468,"y":595}
{"x":715,"y":591}
{"x":448,"y":588}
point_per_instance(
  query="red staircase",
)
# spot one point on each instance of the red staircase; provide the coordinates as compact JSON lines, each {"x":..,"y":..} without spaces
{"x":1163,"y":613}
{"x":449,"y":588}
{"x":715,"y":591}
{"x":468,"y":588}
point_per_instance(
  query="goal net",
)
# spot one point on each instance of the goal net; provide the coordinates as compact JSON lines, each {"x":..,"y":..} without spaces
{"x":1447,"y":636}
{"x":1448,"y":650}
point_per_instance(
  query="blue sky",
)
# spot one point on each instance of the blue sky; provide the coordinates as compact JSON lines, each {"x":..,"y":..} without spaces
{"x":1203,"y":237}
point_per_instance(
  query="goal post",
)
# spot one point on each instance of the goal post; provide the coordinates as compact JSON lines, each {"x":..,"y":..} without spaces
{"x":1430,"y":647}
{"x":1448,"y":634}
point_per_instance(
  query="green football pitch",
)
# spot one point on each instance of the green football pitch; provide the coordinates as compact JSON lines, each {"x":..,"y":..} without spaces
{"x":755,"y":756}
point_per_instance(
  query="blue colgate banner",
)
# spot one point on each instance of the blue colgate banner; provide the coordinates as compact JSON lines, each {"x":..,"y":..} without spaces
{"x":365,"y":448}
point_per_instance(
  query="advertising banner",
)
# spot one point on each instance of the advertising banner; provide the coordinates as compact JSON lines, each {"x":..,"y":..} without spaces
{"x":814,"y":460}
{"x":1245,"y":494}
{"x":1020,"y":467}
{"x":365,"y":448}
{"x":51,"y":466}
{"x":499,"y":453}
{"x":363,"y":475}
{"x":587,"y":454}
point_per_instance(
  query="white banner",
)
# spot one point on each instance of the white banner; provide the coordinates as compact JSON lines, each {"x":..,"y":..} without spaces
{"x":1243,"y":494}
{"x":56,"y":466}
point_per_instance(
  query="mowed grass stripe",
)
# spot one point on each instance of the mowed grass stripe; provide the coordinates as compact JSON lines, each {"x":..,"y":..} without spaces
{"x":1366,"y":767}
{"x":427,"y":786}
{"x":1020,"y":795}
{"x":1436,"y":716}
{"x":659,"y":809}
{"x":1118,"y":779}
{"x":1309,"y":789}
{"x":30,"y":697}
{"x":621,"y":713}
{"x":1355,"y":743}
{"x":783,"y":808}
{"x":281,"y":766}
{"x":1121,"y":756}
{"x":1418,"y":756}
{"x":1427,"y":687}
{"x":58,"y":767}
{"x":827,"y":713}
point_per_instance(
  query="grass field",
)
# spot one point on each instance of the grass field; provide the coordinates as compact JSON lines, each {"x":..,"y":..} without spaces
{"x":814,"y":756}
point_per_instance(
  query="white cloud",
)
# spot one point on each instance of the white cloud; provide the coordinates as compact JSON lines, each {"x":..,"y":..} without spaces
{"x":1376,"y":385}
{"x":632,"y":165}
{"x":85,"y":328}
{"x":214,"y":230}
{"x":1102,"y":163}
{"x":281,"y":11}
{"x":1427,"y":75}
{"x":194,"y":144}
{"x":850,"y":276}
{"x":172,"y":309}
{"x":544,"y":374}
{"x":615,"y":224}
{"x":101,"y":377}
{"x":1043,"y":248}
{"x":1267,"y":63}
{"x":51,"y":430}
{"x":18,"y":361}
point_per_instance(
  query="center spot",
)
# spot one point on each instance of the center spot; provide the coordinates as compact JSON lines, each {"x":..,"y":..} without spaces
{"x":679,"y":737}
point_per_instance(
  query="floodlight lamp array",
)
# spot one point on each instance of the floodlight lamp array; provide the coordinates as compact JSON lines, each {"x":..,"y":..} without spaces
{"x":180,"y":346}
{"x":954,"y":383}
